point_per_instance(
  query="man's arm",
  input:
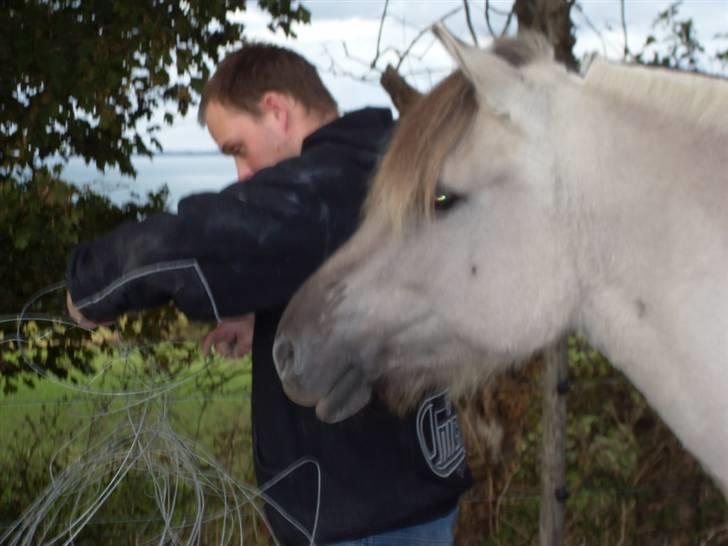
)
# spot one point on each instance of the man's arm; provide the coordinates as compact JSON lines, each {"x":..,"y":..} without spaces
{"x":245,"y":249}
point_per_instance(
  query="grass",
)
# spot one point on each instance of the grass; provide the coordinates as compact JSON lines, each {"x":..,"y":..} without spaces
{"x":204,"y":384}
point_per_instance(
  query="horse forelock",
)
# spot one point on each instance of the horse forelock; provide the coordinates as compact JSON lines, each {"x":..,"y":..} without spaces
{"x":408,"y":174}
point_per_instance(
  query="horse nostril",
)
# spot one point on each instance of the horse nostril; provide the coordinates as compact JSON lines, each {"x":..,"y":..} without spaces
{"x":283,"y":355}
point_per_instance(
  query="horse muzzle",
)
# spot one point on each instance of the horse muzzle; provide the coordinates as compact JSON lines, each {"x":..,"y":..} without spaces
{"x":338,"y":391}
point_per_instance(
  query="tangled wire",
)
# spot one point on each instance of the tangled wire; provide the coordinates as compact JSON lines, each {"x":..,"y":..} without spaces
{"x":134,"y":438}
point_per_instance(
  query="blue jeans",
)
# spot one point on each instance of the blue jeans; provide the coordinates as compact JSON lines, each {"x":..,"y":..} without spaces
{"x":438,"y":532}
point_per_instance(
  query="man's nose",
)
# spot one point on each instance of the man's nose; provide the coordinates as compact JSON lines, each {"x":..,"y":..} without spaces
{"x":243,"y":169}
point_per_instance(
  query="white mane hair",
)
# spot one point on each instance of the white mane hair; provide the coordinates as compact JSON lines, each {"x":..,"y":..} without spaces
{"x":692,"y":97}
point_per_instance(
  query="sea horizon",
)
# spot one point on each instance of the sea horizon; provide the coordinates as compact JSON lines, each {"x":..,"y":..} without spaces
{"x":183,"y":171}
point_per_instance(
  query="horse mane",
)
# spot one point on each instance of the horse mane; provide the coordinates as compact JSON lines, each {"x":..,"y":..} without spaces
{"x":694,"y":98}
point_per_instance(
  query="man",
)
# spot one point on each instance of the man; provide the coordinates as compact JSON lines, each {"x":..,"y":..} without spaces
{"x":246,"y":250}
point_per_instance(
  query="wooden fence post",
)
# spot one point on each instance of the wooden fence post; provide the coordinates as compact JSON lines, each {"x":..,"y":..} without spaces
{"x":553,"y":465}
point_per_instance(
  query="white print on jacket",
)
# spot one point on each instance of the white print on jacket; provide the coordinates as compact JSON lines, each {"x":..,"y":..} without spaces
{"x":438,"y":431}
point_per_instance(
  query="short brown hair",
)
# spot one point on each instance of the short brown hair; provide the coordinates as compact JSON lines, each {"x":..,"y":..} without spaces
{"x":244,"y":76}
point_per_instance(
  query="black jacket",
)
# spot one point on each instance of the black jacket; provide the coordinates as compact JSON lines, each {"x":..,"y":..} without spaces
{"x":247,"y":249}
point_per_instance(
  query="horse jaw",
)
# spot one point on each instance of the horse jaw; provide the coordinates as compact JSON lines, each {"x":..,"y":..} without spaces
{"x":338,"y":372}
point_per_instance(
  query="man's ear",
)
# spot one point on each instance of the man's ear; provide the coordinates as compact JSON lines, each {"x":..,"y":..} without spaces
{"x":278,"y":106}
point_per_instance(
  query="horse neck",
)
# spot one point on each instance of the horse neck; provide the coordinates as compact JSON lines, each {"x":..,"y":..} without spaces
{"x":640,"y":143}
{"x":648,"y":183}
{"x":663,"y":120}
{"x":645,"y":182}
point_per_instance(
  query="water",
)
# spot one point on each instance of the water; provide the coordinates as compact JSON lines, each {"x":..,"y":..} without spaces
{"x":183,"y":172}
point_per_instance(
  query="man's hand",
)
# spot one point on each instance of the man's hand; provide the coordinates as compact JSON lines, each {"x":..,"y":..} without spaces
{"x":76,"y":315}
{"x":232,"y":338}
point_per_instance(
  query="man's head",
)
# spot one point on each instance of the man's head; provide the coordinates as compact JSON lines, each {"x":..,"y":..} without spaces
{"x":260,"y":104}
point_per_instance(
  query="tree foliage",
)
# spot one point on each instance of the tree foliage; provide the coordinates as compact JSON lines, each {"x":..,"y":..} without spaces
{"x":673,"y":43}
{"x":41,"y":219}
{"x":85,"y":77}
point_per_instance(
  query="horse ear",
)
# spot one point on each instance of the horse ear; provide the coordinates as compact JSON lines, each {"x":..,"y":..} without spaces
{"x":499,"y":84}
{"x":460,"y":52}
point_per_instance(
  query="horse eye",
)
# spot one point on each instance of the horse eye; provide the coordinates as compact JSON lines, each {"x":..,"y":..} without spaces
{"x":444,"y":200}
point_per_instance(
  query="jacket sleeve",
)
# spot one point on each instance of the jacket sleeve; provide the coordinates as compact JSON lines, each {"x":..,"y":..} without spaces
{"x":223,"y":254}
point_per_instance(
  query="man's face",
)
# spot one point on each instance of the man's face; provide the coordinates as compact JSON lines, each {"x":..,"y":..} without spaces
{"x":253,"y":142}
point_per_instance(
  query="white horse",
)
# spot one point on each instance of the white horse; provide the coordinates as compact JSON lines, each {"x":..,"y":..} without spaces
{"x":516,"y":203}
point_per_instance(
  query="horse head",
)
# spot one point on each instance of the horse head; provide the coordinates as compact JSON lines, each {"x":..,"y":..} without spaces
{"x":460,"y":265}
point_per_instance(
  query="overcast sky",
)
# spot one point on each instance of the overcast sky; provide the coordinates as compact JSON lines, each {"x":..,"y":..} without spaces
{"x":342,"y":37}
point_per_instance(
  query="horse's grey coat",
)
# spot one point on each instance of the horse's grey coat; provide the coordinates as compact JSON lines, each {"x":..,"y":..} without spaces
{"x":595,"y":205}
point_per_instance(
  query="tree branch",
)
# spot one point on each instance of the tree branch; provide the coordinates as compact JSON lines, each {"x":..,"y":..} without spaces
{"x":424,"y":31}
{"x":626,"y":52}
{"x":379,"y":35}
{"x":487,"y":18}
{"x":592,"y":26}
{"x":507,"y":24}
{"x":466,"y":6}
